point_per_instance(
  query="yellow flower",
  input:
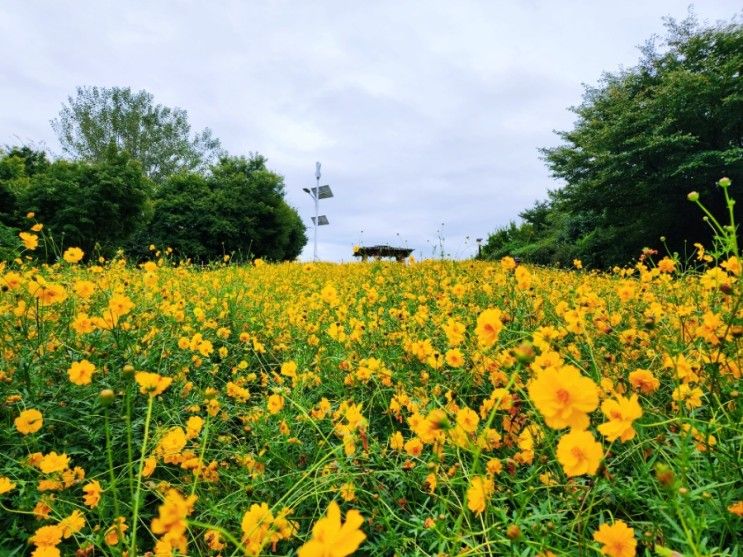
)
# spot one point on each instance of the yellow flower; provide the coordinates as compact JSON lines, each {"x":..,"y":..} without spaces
{"x":6,"y":485}
{"x":478,"y":493}
{"x":73,"y":255}
{"x":331,"y":538}
{"x":30,"y":241}
{"x":579,"y":453}
{"x":454,"y":358}
{"x":29,"y":421}
{"x":81,"y":373}
{"x":467,"y":419}
{"x":644,"y":381}
{"x":119,"y":305}
{"x":116,"y":531}
{"x":193,"y":426}
{"x":152,"y":384}
{"x":50,"y":535}
{"x":171,"y":523}
{"x":255,"y":526}
{"x":564,"y":397}
{"x":54,"y":462}
{"x":621,"y":413}
{"x":618,"y":539}
{"x":72,"y":524}
{"x":489,"y":326}
{"x":275,"y":404}
{"x":348,"y":491}
{"x":48,"y":293}
{"x":171,"y":444}
{"x":92,"y":495}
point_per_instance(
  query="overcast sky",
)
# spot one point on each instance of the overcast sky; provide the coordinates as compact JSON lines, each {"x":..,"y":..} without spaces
{"x":427,"y":116}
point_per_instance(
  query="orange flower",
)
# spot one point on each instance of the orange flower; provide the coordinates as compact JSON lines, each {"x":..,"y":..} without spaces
{"x":579,"y":453}
{"x":331,"y":537}
{"x":564,"y":397}
{"x":29,"y":421}
{"x":467,"y":419}
{"x":618,"y":539}
{"x":621,"y":413}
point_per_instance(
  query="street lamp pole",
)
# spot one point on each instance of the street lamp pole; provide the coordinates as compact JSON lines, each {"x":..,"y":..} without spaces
{"x":317,"y":193}
{"x":317,"y":204}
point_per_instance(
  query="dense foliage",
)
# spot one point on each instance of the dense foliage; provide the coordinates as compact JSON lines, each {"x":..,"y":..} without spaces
{"x":643,"y":138}
{"x":159,"y":137}
{"x":238,"y":208}
{"x":234,"y":208}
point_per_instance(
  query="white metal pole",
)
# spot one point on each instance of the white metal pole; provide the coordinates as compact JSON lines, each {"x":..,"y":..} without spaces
{"x":317,"y":211}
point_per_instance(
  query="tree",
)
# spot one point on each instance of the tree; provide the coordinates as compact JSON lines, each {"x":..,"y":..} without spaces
{"x":646,"y":137}
{"x":157,"y":136}
{"x":94,"y":206}
{"x":238,"y":208}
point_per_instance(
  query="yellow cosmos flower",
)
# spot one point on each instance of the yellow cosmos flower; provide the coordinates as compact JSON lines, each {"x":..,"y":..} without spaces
{"x":73,"y":255}
{"x":564,"y":397}
{"x":72,"y":524}
{"x":30,"y":241}
{"x":92,"y":493}
{"x":6,"y":485}
{"x":620,"y":413}
{"x":489,"y":327}
{"x":644,"y":381}
{"x":152,"y":384}
{"x":29,"y":421}
{"x":478,"y":493}
{"x":618,"y":539}
{"x":54,"y":462}
{"x":47,"y":536}
{"x":579,"y":453}
{"x":331,"y":538}
{"x":48,"y":293}
{"x":81,"y":373}
{"x":275,"y":404}
{"x":468,"y":419}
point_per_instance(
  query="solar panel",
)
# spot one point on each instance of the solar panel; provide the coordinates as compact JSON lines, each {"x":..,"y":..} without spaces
{"x":325,"y":192}
{"x":322,"y":219}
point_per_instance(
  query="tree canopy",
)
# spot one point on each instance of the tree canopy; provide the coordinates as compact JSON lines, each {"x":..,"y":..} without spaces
{"x":157,"y":136}
{"x":238,"y":208}
{"x":644,"y":138}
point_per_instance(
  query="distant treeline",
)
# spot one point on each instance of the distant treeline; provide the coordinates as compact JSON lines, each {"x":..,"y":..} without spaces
{"x":135,"y":177}
{"x":644,"y":138}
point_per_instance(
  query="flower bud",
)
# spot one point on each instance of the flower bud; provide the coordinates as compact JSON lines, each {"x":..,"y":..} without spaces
{"x":693,"y":196}
{"x":106,"y":397}
{"x":724,"y":182}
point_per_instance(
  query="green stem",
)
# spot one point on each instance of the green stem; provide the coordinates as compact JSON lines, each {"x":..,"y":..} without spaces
{"x":135,"y":511}
{"x":109,"y":453}
{"x":201,"y":456}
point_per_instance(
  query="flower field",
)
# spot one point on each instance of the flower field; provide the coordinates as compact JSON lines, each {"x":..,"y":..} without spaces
{"x":426,"y":408}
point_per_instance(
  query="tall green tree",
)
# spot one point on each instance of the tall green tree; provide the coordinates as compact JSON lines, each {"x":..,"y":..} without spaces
{"x":94,"y":206}
{"x":648,"y":135}
{"x":238,"y":207}
{"x":644,"y":138}
{"x":159,"y":137}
